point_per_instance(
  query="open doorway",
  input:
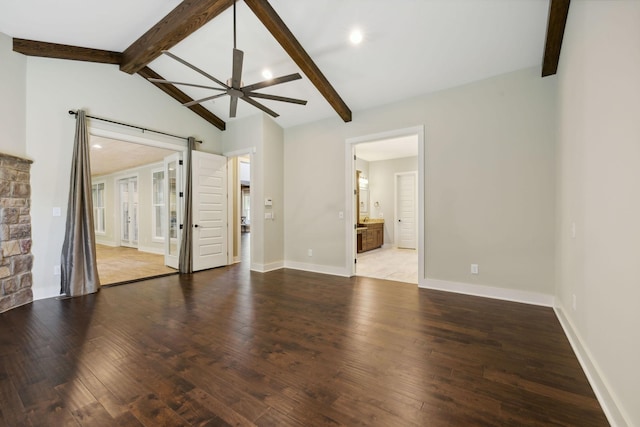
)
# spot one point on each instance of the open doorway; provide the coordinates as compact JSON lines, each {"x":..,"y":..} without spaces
{"x":385,"y":173}
{"x":132,"y":209}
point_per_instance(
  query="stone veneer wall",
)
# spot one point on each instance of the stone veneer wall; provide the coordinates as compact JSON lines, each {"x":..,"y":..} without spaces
{"x":16,"y":259}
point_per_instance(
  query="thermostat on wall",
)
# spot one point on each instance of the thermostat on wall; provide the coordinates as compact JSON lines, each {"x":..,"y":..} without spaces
{"x":268,"y":201}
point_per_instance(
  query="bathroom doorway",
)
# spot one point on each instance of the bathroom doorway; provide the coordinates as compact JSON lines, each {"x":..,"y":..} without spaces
{"x":386,"y":192}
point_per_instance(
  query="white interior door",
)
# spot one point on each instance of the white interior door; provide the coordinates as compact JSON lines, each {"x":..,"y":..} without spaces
{"x":209,"y":174}
{"x":128,"y":191}
{"x":406,"y":212}
{"x":173,"y":208}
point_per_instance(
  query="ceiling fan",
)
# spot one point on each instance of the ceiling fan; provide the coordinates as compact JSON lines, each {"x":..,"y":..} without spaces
{"x":233,"y":87}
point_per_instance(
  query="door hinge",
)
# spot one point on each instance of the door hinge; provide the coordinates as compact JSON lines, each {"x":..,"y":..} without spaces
{"x":354,"y":157}
{"x":355,"y":260}
{"x":181,"y":226}
{"x":181,"y":194}
{"x":180,"y":162}
{"x":355,"y":192}
{"x":355,"y":226}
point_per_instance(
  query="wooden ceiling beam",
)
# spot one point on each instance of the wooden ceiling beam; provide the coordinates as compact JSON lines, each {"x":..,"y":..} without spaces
{"x":63,"y":51}
{"x":182,"y":98}
{"x":182,"y":21}
{"x":558,"y":12}
{"x":272,"y":21}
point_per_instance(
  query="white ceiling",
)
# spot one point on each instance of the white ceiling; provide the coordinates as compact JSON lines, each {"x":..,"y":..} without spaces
{"x":387,"y":149}
{"x":411,"y":47}
{"x":114,"y":156}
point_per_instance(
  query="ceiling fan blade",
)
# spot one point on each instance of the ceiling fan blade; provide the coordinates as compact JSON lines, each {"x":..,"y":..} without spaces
{"x":260,"y":106}
{"x":182,"y":83}
{"x":233,"y":106}
{"x":276,"y":98}
{"x":198,"y":101}
{"x":194,"y":68}
{"x":236,"y":76}
{"x":272,"y":82}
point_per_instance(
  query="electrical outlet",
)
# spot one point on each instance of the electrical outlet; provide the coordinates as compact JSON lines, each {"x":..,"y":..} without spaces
{"x":573,"y":302}
{"x":309,"y":252}
{"x":340,"y":215}
{"x":474,"y":269}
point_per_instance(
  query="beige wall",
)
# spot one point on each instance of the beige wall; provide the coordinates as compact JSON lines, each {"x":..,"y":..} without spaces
{"x":382,"y":190}
{"x":599,"y":191}
{"x":12,"y":99}
{"x":55,"y":86}
{"x":263,"y":138}
{"x":489,"y":182}
{"x":144,"y":177}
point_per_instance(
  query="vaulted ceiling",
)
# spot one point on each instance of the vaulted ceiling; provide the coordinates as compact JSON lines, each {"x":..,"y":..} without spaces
{"x":410,"y":47}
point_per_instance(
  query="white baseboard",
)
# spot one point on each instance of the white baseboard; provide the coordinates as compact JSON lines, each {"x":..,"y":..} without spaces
{"x":265,"y":268}
{"x":514,"y":295}
{"x":151,"y":250}
{"x":607,"y":400}
{"x":109,"y":243}
{"x":315,"y":268}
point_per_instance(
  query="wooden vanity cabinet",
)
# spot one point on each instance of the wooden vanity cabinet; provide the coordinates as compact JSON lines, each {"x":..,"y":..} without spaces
{"x":372,"y":237}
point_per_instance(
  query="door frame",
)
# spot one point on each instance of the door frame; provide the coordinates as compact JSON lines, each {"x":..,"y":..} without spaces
{"x":396,"y":214}
{"x":106,"y":130}
{"x":350,"y":173}
{"x":234,"y":209}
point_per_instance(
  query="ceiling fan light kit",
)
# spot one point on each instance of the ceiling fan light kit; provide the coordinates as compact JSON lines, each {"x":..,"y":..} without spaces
{"x":234,"y":87}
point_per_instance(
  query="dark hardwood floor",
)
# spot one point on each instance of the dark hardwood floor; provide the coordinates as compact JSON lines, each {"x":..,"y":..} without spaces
{"x":230,"y":347}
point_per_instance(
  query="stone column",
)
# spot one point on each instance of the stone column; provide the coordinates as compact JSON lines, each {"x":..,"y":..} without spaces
{"x":16,"y":259}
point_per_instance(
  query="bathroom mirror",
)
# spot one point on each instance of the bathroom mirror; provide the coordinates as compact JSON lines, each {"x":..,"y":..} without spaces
{"x":363,"y":194}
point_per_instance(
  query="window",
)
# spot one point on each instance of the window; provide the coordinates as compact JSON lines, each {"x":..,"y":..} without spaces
{"x":158,"y":208}
{"x":97,"y":193}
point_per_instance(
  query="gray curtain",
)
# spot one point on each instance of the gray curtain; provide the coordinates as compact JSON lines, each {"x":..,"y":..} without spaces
{"x":185,"y":260}
{"x":79,"y":270}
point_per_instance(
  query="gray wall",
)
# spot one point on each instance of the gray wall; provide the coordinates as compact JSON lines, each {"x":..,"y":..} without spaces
{"x":489,"y":182}
{"x":13,"y":73}
{"x":599,"y":191}
{"x":382,"y":190}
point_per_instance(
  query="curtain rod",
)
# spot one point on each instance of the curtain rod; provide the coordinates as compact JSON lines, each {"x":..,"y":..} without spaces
{"x":75,"y":113}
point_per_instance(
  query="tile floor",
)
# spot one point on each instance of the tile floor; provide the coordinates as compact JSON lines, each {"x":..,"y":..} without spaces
{"x":396,"y":264}
{"x":122,"y":264}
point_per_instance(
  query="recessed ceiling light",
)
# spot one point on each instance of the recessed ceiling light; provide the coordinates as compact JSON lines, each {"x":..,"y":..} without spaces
{"x":356,"y":37}
{"x":267,"y":74}
{"x":96,"y":146}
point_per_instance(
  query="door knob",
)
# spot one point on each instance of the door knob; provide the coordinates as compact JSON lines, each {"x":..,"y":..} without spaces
{"x":196,"y":226}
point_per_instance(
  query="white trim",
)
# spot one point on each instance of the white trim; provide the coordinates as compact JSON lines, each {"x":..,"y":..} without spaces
{"x":316,"y":268}
{"x":514,"y":295}
{"x":604,"y":393}
{"x":265,"y":268}
{"x":231,"y":209}
{"x":350,"y":245}
{"x":152,"y":142}
{"x":109,"y":243}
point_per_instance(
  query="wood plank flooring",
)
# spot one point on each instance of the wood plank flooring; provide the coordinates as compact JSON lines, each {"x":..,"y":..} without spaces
{"x":287,"y":348}
{"x":121,"y":264}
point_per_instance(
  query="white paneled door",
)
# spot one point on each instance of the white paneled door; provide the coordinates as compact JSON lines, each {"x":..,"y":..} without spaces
{"x":209,"y":173}
{"x":406,"y":212}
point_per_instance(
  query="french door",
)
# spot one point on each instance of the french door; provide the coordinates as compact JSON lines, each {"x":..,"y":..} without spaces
{"x":173,"y":218}
{"x":128,"y":192}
